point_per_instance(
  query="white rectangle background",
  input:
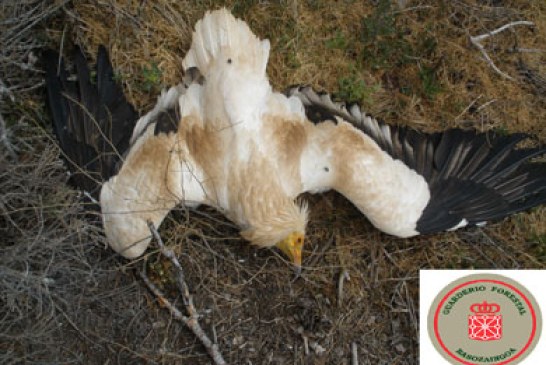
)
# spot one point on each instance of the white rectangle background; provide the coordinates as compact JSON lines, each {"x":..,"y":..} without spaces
{"x":431,"y":282}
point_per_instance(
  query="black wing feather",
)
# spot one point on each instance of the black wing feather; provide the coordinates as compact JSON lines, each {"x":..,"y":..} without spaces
{"x":92,"y":120}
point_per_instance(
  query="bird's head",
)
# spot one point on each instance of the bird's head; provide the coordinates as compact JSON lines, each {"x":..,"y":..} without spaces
{"x":283,"y":228}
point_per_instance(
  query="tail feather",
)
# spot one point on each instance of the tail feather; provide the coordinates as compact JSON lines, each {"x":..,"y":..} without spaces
{"x":219,"y":38}
{"x":92,"y":120}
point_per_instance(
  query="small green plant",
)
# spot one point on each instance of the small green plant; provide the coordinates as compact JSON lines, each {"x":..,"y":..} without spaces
{"x":541,"y":239}
{"x":338,"y":42}
{"x":427,"y":46}
{"x":117,"y":77}
{"x":430,"y":83}
{"x":382,"y":23}
{"x":384,"y":43}
{"x":351,"y":89}
{"x":503,"y":131}
{"x":293,"y":60}
{"x":242,"y":7}
{"x":151,"y":76}
{"x":538,"y":246}
{"x":287,"y":44}
{"x":354,"y":89}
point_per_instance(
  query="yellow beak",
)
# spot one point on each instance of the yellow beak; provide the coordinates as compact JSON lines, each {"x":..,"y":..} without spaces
{"x":292,"y":247}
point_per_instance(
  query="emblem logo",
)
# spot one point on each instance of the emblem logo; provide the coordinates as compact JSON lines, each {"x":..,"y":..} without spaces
{"x":485,"y":324}
{"x":484,"y":319}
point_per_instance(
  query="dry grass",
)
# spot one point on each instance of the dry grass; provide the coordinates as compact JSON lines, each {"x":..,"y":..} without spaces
{"x":412,"y":65}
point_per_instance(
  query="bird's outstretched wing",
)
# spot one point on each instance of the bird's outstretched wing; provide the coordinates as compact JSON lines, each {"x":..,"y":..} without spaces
{"x":91,"y":117}
{"x":411,"y":183}
{"x":140,"y":168}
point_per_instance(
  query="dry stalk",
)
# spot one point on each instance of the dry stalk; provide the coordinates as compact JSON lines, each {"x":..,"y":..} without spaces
{"x":191,"y":321}
{"x":476,"y":41}
{"x":344,"y":275}
{"x":354,"y":354}
{"x":4,"y":138}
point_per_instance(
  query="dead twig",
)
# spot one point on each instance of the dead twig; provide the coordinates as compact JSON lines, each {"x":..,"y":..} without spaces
{"x":4,"y":138}
{"x":476,"y":41}
{"x":191,"y":321}
{"x":316,"y":257}
{"x":354,"y":354}
{"x":344,"y":275}
{"x":310,"y":344}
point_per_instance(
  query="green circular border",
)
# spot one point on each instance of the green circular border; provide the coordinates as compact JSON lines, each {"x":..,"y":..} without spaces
{"x":485,"y":276}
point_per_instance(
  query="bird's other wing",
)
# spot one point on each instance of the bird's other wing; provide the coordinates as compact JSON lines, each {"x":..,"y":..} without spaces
{"x":91,"y":117}
{"x":411,"y":183}
{"x":143,"y":168}
{"x":162,"y":169}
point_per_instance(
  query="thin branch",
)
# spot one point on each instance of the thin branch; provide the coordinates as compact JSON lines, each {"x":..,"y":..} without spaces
{"x":344,"y":275}
{"x":180,"y":280}
{"x":529,"y":50}
{"x":476,"y":41}
{"x":4,"y":138}
{"x":190,"y":321}
{"x":5,"y":90}
{"x":354,"y":354}
{"x":480,"y":38}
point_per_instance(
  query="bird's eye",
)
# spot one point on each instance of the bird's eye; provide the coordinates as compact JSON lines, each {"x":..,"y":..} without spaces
{"x":299,"y":240}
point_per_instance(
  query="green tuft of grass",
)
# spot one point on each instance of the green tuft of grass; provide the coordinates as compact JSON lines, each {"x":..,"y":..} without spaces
{"x":384,"y":42}
{"x":503,"y":131}
{"x":117,"y":77}
{"x":388,"y":45}
{"x":339,"y":41}
{"x":382,"y":23}
{"x":429,"y":80}
{"x":353,"y":89}
{"x":151,"y":77}
{"x":537,"y":244}
{"x":242,"y":7}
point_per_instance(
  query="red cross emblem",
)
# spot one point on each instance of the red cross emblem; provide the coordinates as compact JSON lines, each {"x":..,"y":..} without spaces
{"x":485,"y":324}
